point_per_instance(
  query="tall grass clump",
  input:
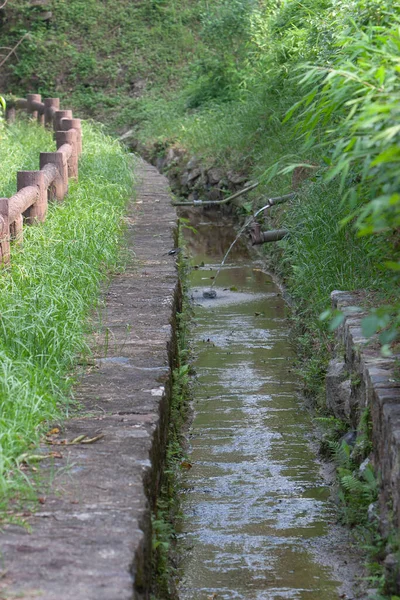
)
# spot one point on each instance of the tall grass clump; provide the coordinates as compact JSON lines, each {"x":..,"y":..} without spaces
{"x":50,"y":288}
{"x":20,"y":145}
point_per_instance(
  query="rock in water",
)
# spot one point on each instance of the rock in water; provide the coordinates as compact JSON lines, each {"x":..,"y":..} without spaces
{"x":209,"y":294}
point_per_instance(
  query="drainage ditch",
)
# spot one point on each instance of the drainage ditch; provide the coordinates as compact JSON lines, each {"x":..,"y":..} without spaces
{"x":258,"y":522}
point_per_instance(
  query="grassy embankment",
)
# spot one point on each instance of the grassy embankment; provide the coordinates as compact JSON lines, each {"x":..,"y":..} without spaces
{"x":100,"y":57}
{"x":50,"y":289}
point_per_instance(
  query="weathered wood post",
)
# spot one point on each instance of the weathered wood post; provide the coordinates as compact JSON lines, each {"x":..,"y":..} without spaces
{"x":59,"y":187}
{"x":76,"y":124}
{"x":61,"y":114}
{"x":51,"y":105}
{"x":5,"y":232}
{"x":31,"y":108}
{"x":10,"y":114}
{"x":16,"y":229}
{"x":69,"y":137}
{"x":38,"y":210}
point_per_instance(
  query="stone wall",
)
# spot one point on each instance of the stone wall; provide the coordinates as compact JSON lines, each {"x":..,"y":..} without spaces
{"x":359,"y":378}
{"x":188,"y":176}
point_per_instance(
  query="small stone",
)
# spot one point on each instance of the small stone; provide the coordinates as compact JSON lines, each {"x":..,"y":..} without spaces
{"x":125,"y":136}
{"x":364,"y":466}
{"x":160,"y":163}
{"x":192,"y":164}
{"x":215,"y":175}
{"x":209,"y":294}
{"x":46,"y":15}
{"x":338,"y":389}
{"x":184,"y":179}
{"x":170,"y":155}
{"x":236,"y":178}
{"x":390,"y":562}
{"x":349,"y":438}
{"x":194,"y":174}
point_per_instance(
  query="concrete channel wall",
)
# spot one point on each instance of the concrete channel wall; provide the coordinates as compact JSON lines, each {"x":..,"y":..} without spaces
{"x":360,"y":378}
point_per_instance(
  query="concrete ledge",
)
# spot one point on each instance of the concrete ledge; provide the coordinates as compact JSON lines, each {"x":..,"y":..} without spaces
{"x":373,"y":383}
{"x":91,"y":537}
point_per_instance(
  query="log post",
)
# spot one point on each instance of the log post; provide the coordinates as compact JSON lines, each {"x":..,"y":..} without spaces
{"x":51,"y":105}
{"x":59,"y":187}
{"x":31,"y":98}
{"x":10,"y":114}
{"x":16,"y":229}
{"x":69,"y":137}
{"x":67,"y":124}
{"x":61,"y":114}
{"x":5,"y":233}
{"x":36,"y":212}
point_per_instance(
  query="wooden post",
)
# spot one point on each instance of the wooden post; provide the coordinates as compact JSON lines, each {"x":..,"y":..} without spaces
{"x":31,"y":98}
{"x":67,"y":124}
{"x":5,"y":233}
{"x":16,"y":229}
{"x":37,"y":212}
{"x":61,"y":114}
{"x":59,"y":187}
{"x":10,"y":114}
{"x":51,"y":105}
{"x":69,"y":137}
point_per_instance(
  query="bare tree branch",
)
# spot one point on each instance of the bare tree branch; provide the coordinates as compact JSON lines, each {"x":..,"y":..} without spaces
{"x":13,"y":49}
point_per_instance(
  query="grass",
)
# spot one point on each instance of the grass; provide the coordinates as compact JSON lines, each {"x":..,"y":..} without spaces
{"x":322,"y":256}
{"x":99,"y":56}
{"x":53,"y":284}
{"x":20,"y":146}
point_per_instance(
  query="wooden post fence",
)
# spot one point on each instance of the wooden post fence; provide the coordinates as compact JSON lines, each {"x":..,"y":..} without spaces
{"x":36,"y":188}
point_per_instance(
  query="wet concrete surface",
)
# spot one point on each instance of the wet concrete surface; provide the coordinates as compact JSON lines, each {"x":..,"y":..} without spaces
{"x":257,"y":520}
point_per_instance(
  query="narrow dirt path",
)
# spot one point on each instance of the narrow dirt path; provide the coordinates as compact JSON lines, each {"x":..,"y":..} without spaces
{"x":90,"y":539}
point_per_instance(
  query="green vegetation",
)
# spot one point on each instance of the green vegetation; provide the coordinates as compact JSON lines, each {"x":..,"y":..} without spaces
{"x":52,"y":285}
{"x":357,"y":499}
{"x":20,"y":146}
{"x":97,"y":56}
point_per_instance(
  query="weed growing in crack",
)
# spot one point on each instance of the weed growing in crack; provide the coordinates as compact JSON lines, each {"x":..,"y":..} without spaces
{"x":167,"y":511}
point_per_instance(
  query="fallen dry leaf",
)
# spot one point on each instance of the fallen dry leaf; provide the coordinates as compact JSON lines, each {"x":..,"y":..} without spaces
{"x":94,"y":439}
{"x":77,"y":440}
{"x":56,"y":454}
{"x":28,"y":458}
{"x":54,"y":431}
{"x":186,"y":465}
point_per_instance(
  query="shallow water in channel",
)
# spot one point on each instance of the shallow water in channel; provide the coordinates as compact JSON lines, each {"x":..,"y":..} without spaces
{"x":254,"y":502}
